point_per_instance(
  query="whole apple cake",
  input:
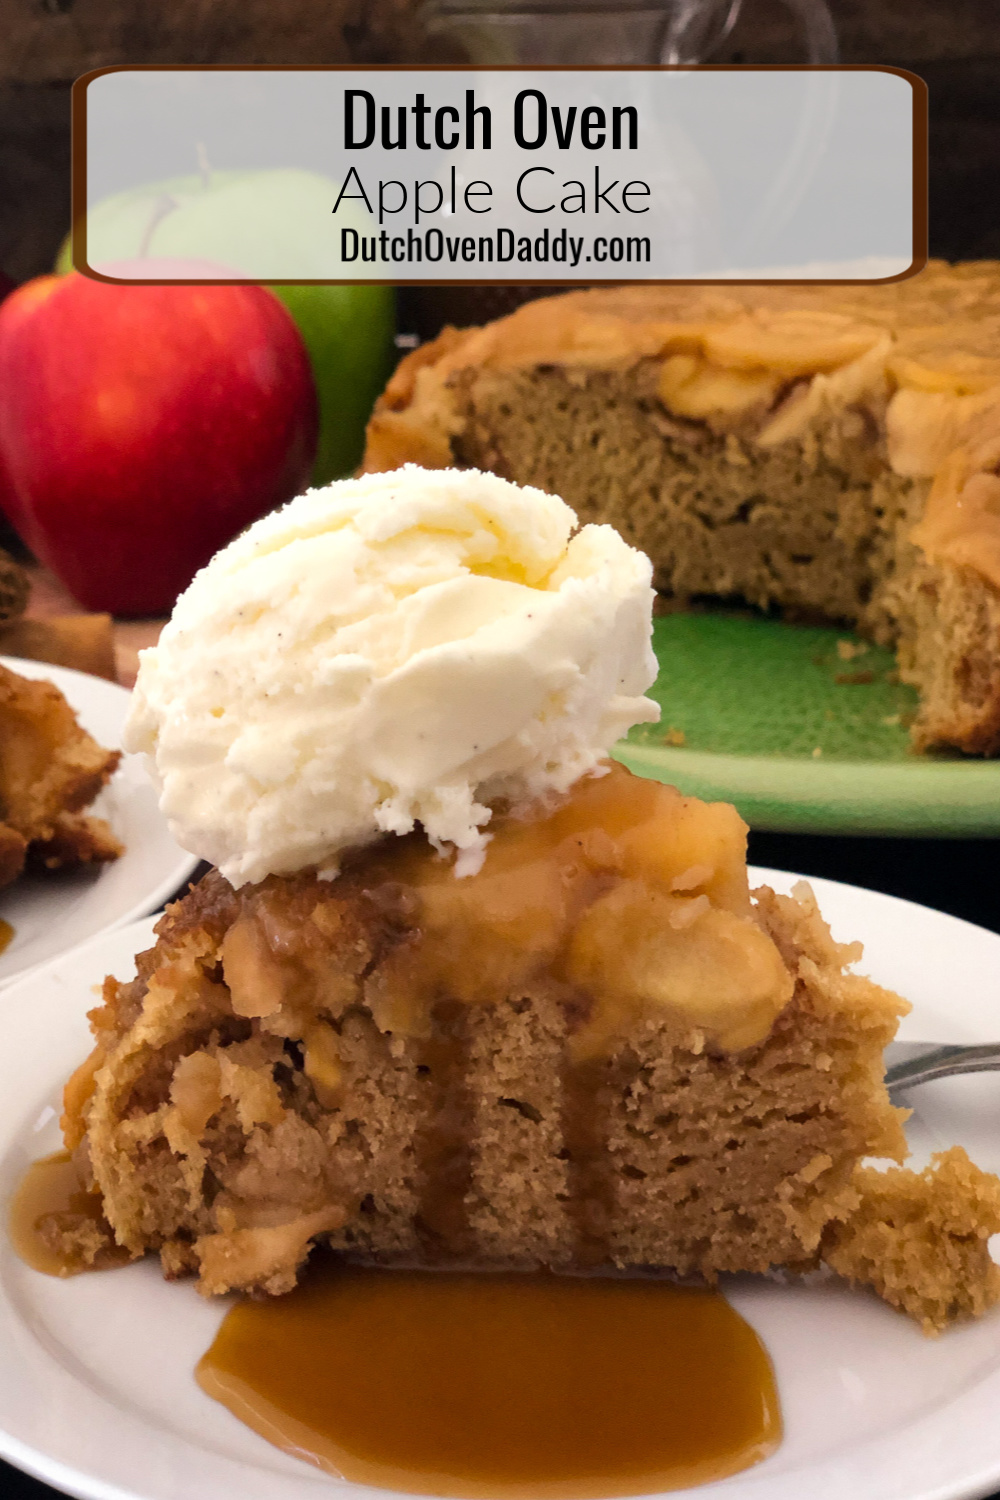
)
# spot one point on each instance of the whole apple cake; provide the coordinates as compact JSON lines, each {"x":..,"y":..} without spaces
{"x":600,"y":1052}
{"x":828,"y":450}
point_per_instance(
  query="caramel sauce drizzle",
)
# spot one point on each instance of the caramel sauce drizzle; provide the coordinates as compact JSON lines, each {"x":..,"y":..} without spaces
{"x":48,"y":1203}
{"x":443,"y":1141}
{"x":506,"y":1387}
{"x":591,"y":1202}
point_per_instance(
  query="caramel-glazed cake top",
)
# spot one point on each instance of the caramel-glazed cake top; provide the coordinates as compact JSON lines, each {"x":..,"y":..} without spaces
{"x":771,"y":362}
{"x":944,"y":325}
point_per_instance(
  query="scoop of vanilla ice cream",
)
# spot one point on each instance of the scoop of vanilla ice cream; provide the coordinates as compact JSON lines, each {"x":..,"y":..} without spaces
{"x":394,"y":649}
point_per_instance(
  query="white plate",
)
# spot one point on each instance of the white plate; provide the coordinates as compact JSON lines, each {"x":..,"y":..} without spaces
{"x":97,"y":1394}
{"x":51,"y":914}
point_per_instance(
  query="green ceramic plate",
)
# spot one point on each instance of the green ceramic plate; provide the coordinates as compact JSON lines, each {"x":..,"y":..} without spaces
{"x":805,"y":729}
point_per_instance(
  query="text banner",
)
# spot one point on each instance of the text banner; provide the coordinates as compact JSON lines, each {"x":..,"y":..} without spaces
{"x":492,"y":175}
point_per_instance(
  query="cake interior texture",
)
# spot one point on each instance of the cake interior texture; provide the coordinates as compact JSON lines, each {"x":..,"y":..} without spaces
{"x":829,"y":451}
{"x":599,"y":1053}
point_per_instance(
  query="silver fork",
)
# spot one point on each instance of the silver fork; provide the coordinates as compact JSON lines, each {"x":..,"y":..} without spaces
{"x":910,"y":1063}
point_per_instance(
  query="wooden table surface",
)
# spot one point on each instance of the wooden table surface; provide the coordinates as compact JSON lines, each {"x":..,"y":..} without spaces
{"x":49,"y":599}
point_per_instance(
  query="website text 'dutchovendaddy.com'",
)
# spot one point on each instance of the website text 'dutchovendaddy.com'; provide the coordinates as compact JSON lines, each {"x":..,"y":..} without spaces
{"x":501,"y":247}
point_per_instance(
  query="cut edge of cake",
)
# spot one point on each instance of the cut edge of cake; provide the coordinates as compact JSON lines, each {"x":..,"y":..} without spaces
{"x":261,"y":1087}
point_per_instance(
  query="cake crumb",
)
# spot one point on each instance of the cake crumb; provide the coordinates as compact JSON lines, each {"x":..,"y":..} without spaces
{"x":889,"y":720}
{"x":675,"y":737}
{"x":921,"y":1239}
{"x":848,"y":650}
{"x":817,"y":752}
{"x":854,"y":679}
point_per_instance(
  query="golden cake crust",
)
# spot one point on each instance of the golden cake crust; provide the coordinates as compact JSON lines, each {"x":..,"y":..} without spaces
{"x":936,"y":334}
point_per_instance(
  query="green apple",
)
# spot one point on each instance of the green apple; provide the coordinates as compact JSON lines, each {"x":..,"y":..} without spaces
{"x":269,"y":224}
{"x":348,"y":333}
{"x":256,"y":221}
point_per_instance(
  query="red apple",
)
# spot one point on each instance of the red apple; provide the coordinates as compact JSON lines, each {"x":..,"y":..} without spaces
{"x":141,"y":427}
{"x":6,"y":286}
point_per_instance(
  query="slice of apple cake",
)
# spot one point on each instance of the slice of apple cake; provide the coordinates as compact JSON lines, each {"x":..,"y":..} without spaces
{"x":50,"y":770}
{"x":601,"y":1051}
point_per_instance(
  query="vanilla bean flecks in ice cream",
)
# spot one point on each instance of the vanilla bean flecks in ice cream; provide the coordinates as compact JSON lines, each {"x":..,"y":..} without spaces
{"x":398,"y":649}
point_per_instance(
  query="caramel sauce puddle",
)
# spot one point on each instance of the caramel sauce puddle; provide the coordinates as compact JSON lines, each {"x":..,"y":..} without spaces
{"x":49,"y":1195}
{"x":488,"y":1386}
{"x":500,"y":1386}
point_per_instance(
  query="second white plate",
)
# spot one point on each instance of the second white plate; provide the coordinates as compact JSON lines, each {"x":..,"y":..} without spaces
{"x":52,"y":914}
{"x":97,"y":1393}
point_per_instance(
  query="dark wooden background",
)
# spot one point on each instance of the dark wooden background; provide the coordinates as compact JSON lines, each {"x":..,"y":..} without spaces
{"x":45,"y":44}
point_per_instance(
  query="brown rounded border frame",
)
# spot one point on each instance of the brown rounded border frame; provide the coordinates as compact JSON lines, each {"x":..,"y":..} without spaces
{"x":921,"y":206}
